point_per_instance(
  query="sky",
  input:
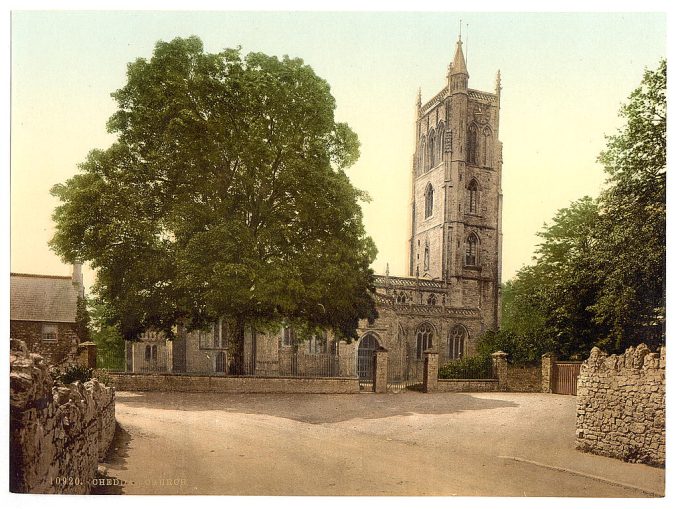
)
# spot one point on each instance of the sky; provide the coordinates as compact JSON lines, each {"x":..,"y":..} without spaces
{"x":564,"y":78}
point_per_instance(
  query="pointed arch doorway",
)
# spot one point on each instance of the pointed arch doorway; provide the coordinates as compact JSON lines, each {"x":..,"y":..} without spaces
{"x":367,"y":347}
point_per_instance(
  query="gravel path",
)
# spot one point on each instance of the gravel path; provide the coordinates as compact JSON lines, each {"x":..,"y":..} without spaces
{"x":487,"y":444}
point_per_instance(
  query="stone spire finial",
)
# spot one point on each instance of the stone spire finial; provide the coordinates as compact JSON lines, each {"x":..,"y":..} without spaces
{"x":387,"y":270}
{"x":419,"y":99}
{"x":498,"y":82}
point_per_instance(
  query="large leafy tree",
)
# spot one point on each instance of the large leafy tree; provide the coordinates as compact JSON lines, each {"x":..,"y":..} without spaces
{"x":223,"y":196}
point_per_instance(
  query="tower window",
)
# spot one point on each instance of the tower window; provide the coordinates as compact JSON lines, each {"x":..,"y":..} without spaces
{"x":432,"y":299}
{"x":426,"y":257}
{"x":431,"y":151}
{"x":471,"y":250}
{"x":472,"y":197}
{"x":401,"y":298}
{"x":429,"y":200}
{"x":472,"y":145}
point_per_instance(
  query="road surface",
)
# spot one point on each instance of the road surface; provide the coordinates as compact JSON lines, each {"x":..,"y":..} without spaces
{"x":481,"y":444}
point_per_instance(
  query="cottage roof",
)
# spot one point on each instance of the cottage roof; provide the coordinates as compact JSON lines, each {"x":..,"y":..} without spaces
{"x":42,"y":298}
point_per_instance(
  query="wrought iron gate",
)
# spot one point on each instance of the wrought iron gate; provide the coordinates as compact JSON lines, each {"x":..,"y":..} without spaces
{"x":365,"y":361}
{"x":402,"y":372}
{"x":565,"y":376}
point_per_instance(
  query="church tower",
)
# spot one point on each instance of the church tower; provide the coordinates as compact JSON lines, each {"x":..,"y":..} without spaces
{"x":456,"y":193}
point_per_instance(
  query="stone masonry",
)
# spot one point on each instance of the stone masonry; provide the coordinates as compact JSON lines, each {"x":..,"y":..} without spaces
{"x":621,"y":405}
{"x":58,"y":433}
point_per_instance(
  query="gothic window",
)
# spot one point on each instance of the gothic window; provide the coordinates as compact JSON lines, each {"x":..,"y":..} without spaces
{"x":472,"y":145}
{"x":150,"y":353}
{"x":317,"y":343}
{"x":287,"y":336}
{"x":401,"y":298}
{"x":431,"y":150}
{"x":432,"y":299}
{"x":221,"y":362}
{"x":441,"y":144}
{"x":429,"y":200}
{"x":456,"y":342}
{"x":421,"y":156}
{"x":472,"y":197}
{"x":487,"y":154}
{"x":472,"y":250}
{"x":424,"y":335}
{"x":426,"y":257}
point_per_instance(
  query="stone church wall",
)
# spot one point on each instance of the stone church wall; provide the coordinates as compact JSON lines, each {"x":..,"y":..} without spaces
{"x":58,"y":433}
{"x":621,"y":405}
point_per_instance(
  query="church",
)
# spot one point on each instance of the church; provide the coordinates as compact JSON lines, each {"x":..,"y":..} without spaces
{"x":452,"y":292}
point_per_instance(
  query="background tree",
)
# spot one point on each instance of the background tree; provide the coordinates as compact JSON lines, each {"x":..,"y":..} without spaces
{"x":631,"y":268}
{"x":599,"y":272}
{"x":224,"y":196}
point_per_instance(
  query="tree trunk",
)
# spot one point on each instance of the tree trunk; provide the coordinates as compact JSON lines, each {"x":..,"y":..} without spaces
{"x":237,"y":346}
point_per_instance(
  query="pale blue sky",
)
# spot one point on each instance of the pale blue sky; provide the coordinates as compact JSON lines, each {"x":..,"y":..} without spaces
{"x":564,"y":78}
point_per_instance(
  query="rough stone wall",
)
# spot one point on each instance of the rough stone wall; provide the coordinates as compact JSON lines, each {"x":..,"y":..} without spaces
{"x":58,"y":433}
{"x":63,"y":350}
{"x":524,"y":378}
{"x":169,"y":382}
{"x":621,"y":405}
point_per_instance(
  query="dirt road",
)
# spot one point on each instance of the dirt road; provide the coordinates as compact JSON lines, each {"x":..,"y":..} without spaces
{"x":365,"y":444}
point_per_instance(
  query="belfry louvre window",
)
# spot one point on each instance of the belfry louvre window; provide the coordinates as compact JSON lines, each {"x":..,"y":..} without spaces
{"x":424,"y":335}
{"x":473,"y":197}
{"x":472,"y":146}
{"x":432,"y":299}
{"x":471,"y":250}
{"x":429,"y":200}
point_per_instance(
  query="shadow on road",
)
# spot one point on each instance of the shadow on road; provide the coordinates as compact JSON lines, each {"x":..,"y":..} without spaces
{"x":314,"y":408}
{"x":116,"y":457}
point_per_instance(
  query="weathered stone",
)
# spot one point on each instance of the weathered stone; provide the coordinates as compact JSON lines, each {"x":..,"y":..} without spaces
{"x":624,"y":414}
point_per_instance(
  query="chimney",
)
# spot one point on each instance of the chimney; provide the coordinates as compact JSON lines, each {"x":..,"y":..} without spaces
{"x":77,"y":278}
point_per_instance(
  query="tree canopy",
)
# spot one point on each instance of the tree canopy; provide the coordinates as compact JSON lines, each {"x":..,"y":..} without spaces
{"x":224,"y":196}
{"x":598,"y":277}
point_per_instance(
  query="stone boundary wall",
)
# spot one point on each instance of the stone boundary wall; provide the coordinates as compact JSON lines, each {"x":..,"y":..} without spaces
{"x":524,"y":378}
{"x":231,"y":384}
{"x":58,"y":433}
{"x":621,"y":405}
{"x":476,"y":385}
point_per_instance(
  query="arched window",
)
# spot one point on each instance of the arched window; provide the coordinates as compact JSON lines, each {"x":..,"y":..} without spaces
{"x":318,"y":343}
{"x":487,"y":145}
{"x":432,"y":299}
{"x":471,"y":250}
{"x":431,"y":150}
{"x":421,"y":156}
{"x":429,"y":200}
{"x":441,"y":144}
{"x":472,"y":197}
{"x":287,"y":336}
{"x":456,"y":342}
{"x":147,"y":353}
{"x":426,"y":257}
{"x":424,"y":335}
{"x":401,"y":298}
{"x":472,"y":145}
{"x":221,"y":362}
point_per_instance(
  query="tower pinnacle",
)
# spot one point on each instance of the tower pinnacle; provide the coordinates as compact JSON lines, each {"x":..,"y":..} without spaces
{"x":458,"y":66}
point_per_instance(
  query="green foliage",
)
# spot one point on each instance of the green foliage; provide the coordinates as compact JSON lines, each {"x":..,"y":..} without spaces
{"x":110,"y":343}
{"x":72,"y":373}
{"x":521,"y":349}
{"x":599,"y":273}
{"x":82,"y":320}
{"x":224,"y":195}
{"x":475,"y":367}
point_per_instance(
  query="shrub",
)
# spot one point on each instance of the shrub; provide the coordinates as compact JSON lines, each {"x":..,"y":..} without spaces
{"x":72,"y":373}
{"x":467,"y":367}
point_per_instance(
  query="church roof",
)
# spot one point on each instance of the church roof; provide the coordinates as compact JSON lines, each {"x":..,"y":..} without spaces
{"x":42,"y":298}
